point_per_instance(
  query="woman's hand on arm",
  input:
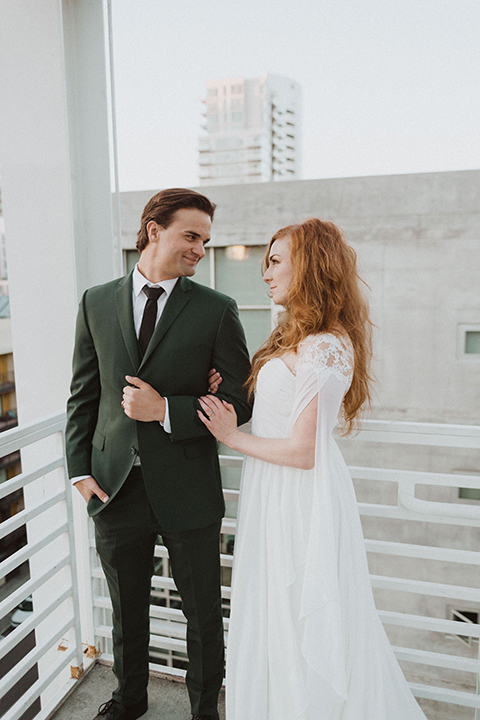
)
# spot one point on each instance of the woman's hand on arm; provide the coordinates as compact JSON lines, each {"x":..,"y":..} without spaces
{"x":221,"y":418}
{"x":295,"y":451}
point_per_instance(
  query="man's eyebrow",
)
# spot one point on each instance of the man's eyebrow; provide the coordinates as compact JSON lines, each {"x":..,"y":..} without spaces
{"x":195,"y":234}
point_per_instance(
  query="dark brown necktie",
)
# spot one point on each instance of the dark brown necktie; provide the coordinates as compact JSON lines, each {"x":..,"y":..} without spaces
{"x":149,"y":316}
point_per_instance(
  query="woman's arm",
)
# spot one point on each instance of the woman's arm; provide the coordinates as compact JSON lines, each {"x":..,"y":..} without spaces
{"x":296,"y":451}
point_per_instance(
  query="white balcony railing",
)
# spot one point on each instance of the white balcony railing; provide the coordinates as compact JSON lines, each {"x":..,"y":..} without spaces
{"x":168,"y":630}
{"x":55,"y":621}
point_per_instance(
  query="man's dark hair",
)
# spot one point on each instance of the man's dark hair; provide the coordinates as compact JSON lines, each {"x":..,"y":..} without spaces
{"x":162,"y":207}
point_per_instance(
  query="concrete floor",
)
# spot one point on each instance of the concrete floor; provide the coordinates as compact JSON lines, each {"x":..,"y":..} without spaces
{"x":167,"y":698}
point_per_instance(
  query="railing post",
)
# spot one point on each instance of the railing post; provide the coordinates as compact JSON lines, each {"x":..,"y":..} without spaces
{"x":74,"y":548}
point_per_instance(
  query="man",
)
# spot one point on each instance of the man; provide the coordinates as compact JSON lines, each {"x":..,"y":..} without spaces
{"x":138,"y":452}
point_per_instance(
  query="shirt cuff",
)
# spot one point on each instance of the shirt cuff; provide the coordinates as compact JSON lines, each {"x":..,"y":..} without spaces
{"x":78,"y":478}
{"x":166,"y":420}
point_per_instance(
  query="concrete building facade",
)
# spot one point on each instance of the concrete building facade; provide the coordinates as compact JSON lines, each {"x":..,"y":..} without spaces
{"x":252,"y":131}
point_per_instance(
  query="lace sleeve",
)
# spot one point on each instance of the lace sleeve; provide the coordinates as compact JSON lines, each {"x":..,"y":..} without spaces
{"x":325,"y":366}
{"x":327,"y":352}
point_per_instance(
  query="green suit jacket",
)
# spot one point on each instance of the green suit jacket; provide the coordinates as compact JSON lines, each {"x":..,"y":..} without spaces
{"x":199,"y":329}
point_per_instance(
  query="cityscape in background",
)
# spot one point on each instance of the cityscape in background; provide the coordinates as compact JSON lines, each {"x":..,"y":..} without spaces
{"x":251,"y":131}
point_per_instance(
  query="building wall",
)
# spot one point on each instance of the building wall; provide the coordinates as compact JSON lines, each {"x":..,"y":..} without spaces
{"x":418,"y":244}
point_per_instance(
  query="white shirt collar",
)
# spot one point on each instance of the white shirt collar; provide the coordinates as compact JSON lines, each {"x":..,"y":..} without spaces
{"x":139,"y":281}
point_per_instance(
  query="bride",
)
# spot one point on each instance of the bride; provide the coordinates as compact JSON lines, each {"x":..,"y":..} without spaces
{"x":305,"y":641}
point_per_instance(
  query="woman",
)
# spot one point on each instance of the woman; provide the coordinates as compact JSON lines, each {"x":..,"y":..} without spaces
{"x":305,"y":641}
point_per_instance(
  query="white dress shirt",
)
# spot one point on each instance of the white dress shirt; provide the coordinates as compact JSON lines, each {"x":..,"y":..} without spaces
{"x":139,"y":300}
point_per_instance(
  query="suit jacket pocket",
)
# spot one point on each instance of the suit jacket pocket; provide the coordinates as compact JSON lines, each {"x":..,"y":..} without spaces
{"x":98,"y":440}
{"x":194,"y":449}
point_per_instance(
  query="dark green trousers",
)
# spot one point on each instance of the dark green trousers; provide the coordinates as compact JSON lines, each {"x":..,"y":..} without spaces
{"x":126,"y":532}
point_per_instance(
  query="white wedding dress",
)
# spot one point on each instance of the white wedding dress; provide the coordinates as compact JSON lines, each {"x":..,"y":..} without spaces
{"x":305,"y":641}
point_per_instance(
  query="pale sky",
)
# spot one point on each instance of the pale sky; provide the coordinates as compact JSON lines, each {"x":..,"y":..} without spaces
{"x":389,"y":86}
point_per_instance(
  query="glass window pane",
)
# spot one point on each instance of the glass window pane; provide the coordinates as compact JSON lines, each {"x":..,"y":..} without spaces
{"x":238,"y":273}
{"x":472,"y":342}
{"x":131,"y":259}
{"x":469,"y":493}
{"x":202,"y":272}
{"x":257,"y":325}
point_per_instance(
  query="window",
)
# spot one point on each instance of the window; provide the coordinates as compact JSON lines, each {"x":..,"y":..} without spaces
{"x":212,"y":108}
{"x":130,"y":259}
{"x":236,"y":271}
{"x":236,"y":89}
{"x":468,"y":343}
{"x":227,"y":143}
{"x":470,"y":617}
{"x":469,"y":493}
{"x":472,"y":342}
{"x":237,"y":117}
{"x":212,"y":92}
{"x":237,"y":104}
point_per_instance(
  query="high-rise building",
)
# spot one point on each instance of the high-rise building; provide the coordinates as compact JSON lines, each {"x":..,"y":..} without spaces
{"x":251,"y":131}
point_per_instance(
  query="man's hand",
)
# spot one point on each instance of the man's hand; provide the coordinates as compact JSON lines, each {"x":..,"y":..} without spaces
{"x":142,"y":402}
{"x":89,"y":487}
{"x":214,"y":380}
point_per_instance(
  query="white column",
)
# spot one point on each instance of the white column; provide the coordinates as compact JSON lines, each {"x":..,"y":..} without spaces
{"x":54,"y":160}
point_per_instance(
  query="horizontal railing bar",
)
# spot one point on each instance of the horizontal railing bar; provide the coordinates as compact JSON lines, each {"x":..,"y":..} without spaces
{"x":163,"y":628}
{"x":35,"y":690}
{"x":25,"y":516}
{"x":229,"y":526}
{"x":429,"y":507}
{"x":29,"y":433}
{"x":16,"y":597}
{"x":20,"y":481}
{"x":431,"y":624}
{"x":423,"y":552}
{"x":407,"y":437}
{"x":157,"y":612}
{"x":159,"y":582}
{"x":446,"y":695}
{"x":447,"y":517}
{"x":164,"y":613}
{"x":163,"y":643}
{"x":231,"y":461}
{"x":419,"y":477}
{"x":422,"y":428}
{"x":229,"y":494}
{"x":27,"y":626}
{"x":423,"y":587}
{"x":226,"y":560}
{"x":28,"y":551}
{"x":400,"y":513}
{"x":23,"y":665}
{"x":424,"y":657}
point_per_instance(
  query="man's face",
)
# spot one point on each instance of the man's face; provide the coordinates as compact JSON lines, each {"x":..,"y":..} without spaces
{"x":179,"y":247}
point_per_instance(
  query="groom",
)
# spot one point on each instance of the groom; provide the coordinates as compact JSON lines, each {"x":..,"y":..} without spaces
{"x":139,"y":454}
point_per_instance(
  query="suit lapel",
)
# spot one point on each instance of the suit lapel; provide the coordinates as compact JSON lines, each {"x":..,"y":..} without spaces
{"x":176,"y":302}
{"x":123,"y":299}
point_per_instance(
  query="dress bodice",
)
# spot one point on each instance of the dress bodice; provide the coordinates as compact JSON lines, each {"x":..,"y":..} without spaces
{"x":274,"y":398}
{"x":278,"y":389}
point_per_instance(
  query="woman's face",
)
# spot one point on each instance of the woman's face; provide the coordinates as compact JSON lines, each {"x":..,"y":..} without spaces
{"x":279,"y":274}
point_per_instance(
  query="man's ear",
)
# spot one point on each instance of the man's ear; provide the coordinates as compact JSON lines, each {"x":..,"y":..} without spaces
{"x":153,"y":231}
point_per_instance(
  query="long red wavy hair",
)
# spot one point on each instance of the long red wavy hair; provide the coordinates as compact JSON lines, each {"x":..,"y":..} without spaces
{"x":326,"y":295}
